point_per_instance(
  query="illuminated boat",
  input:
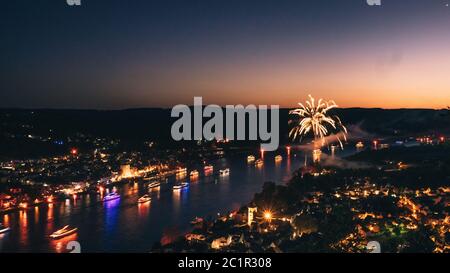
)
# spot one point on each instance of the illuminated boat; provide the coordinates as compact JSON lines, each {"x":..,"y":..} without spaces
{"x":224,"y":172}
{"x":50,"y":199}
{"x":259,"y":162}
{"x":149,"y":178}
{"x":144,"y":199}
{"x":181,"y":186}
{"x":250,"y":159}
{"x":193,"y":173}
{"x":197,"y":220}
{"x":111,"y":196}
{"x":154,"y":185}
{"x":65,"y":231}
{"x":23,"y":205}
{"x":278,"y":158}
{"x":4,"y":229}
{"x":359,"y":145}
{"x":181,"y":171}
{"x":208,"y":168}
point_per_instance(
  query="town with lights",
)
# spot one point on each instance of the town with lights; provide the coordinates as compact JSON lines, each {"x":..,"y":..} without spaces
{"x":334,"y":211}
{"x":393,"y":191}
{"x":234,"y":129}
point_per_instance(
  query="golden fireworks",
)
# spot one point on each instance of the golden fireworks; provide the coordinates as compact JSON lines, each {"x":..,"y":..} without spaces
{"x":314,"y":119}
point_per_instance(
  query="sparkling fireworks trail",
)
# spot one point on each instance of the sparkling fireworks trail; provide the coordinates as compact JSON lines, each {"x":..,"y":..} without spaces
{"x":314,"y":119}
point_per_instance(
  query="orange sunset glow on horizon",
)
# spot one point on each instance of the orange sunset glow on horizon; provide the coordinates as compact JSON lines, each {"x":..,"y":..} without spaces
{"x":392,"y":56}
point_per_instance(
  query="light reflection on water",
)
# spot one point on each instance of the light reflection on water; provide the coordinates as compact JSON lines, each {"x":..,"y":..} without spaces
{"x":144,"y":209}
{"x":60,"y":245}
{"x":111,"y":216}
{"x":23,"y":222}
{"x":121,"y":225}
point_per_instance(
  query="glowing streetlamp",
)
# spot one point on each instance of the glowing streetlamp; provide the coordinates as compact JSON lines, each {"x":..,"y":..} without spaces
{"x":268,"y":215}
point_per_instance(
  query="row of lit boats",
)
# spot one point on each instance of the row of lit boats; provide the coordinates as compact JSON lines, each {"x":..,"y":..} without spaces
{"x":258,"y":162}
{"x":208,"y":170}
{"x":60,"y":233}
{"x":183,"y":185}
{"x":67,"y":230}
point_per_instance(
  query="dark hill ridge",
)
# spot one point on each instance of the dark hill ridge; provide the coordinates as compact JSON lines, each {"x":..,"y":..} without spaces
{"x":155,"y":123}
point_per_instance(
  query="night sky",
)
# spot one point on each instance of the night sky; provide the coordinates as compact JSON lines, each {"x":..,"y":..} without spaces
{"x":115,"y":54}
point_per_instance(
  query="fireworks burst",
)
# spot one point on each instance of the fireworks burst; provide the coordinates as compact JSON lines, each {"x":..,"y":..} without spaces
{"x":314,"y":119}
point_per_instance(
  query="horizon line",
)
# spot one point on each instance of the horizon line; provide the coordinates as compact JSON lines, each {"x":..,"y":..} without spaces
{"x":168,"y":108}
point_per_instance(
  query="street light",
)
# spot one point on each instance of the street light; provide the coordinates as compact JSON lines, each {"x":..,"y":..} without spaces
{"x":268,"y":215}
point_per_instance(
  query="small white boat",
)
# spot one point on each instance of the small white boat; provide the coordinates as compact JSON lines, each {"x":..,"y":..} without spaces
{"x":65,"y":231}
{"x":4,"y":229}
{"x":111,"y":196}
{"x":250,"y":159}
{"x":181,"y":186}
{"x":154,"y":185}
{"x":224,"y":172}
{"x":144,"y":199}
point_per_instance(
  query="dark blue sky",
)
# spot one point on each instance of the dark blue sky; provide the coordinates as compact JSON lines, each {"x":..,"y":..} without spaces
{"x":143,"y":53}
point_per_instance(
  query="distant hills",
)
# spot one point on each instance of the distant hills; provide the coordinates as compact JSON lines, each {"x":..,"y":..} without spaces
{"x":398,"y":121}
{"x":154,"y":123}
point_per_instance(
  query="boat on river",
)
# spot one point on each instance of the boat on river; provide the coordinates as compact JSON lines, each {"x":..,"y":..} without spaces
{"x":181,"y":186}
{"x":250,"y":159}
{"x":154,"y":185}
{"x":65,"y":231}
{"x":111,"y":196}
{"x":224,"y":172}
{"x":144,"y":199}
{"x":4,"y":229}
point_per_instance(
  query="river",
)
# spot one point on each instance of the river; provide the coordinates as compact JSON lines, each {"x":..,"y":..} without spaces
{"x":122,"y":225}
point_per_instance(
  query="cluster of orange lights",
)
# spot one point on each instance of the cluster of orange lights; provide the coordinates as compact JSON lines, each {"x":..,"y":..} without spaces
{"x":24,"y":205}
{"x":429,"y":140}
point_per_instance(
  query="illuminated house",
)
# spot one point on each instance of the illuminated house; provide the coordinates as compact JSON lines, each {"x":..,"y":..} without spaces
{"x":251,"y":212}
{"x":127,"y":172}
{"x":221,"y":242}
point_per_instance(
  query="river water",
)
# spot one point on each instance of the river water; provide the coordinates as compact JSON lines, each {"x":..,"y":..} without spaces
{"x":122,"y":225}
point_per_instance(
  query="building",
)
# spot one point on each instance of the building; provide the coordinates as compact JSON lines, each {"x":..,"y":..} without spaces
{"x":250,"y":217}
